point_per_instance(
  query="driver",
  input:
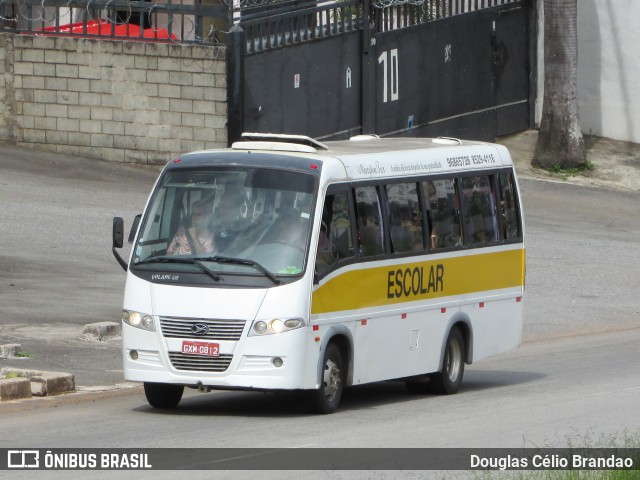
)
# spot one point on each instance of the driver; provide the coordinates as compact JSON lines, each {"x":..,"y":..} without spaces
{"x":227,"y":217}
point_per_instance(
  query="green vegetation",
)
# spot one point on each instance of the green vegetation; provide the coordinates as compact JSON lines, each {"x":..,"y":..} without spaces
{"x":564,"y":173}
{"x":565,"y":475}
{"x":623,"y":440}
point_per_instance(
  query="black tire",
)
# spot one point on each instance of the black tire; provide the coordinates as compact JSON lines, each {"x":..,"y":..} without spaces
{"x":447,"y":381}
{"x":163,"y":395}
{"x":327,"y":398}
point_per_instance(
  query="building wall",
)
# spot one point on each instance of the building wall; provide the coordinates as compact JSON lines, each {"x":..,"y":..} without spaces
{"x":608,"y":68}
{"x":113,"y":100}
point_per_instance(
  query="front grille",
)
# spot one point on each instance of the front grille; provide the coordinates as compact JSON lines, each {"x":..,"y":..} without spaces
{"x":181,"y":361}
{"x":173,"y":327}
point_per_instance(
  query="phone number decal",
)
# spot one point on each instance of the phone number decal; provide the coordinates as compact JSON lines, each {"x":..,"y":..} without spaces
{"x":471,"y":160}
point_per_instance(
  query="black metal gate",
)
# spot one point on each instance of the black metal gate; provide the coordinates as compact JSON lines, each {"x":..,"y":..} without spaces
{"x":461,"y":68}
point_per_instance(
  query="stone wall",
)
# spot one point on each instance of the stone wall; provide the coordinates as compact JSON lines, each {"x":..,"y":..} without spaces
{"x":114,"y":100}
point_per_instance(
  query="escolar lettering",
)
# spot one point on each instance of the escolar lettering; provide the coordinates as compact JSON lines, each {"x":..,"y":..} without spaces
{"x":415,"y":281}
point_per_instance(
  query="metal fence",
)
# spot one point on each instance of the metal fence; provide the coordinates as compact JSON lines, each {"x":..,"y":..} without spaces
{"x":292,"y":22}
{"x":203,"y":23}
{"x":280,"y":23}
{"x":395,"y":14}
{"x":268,"y":24}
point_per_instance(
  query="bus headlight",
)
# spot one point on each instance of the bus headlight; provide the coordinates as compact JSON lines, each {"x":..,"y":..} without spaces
{"x":138,"y":320}
{"x":260,"y":328}
{"x":277,"y":325}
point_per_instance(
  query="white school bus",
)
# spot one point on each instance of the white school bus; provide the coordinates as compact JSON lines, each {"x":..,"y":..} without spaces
{"x":286,"y":264}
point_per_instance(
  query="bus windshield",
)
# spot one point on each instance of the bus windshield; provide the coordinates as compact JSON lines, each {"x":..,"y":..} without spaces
{"x":232,"y":220}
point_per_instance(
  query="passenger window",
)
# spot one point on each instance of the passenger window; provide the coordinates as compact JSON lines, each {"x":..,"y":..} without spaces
{"x":369,"y":222}
{"x":508,"y":207}
{"x":479,"y":210}
{"x":442,"y":205}
{"x":405,"y":223}
{"x":335,"y":242}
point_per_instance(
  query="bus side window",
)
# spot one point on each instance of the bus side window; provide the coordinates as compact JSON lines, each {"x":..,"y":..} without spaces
{"x":405,"y":222}
{"x":335,"y":242}
{"x":510,"y":226}
{"x":442,"y":206}
{"x":369,"y":221}
{"x":479,"y":210}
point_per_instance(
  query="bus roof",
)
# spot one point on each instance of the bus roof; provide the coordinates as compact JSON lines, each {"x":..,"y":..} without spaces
{"x":368,"y":156}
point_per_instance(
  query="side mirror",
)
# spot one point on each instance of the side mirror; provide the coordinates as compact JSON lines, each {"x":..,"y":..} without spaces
{"x":118,"y":240}
{"x":118,"y":232}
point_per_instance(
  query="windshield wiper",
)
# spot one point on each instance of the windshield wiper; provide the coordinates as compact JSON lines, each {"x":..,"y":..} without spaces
{"x":242,"y":261}
{"x":189,"y":260}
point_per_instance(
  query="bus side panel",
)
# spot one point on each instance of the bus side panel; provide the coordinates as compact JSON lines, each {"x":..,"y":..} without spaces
{"x":398,"y":345}
{"x":497,"y":326}
{"x":402,"y":312}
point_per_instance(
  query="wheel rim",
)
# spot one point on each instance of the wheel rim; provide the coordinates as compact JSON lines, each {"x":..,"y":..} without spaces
{"x":453,"y":360}
{"x":331,"y":379}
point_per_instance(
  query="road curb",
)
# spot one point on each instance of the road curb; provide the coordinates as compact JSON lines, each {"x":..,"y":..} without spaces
{"x":14,"y":389}
{"x":80,"y":395}
{"x":102,"y":330}
{"x":19,"y":383}
{"x":10,"y":350}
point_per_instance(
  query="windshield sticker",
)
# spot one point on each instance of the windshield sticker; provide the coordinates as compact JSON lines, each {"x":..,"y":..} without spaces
{"x":162,"y":277}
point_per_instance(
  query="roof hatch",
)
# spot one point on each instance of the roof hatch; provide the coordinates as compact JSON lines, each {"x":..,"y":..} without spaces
{"x":278,"y":142}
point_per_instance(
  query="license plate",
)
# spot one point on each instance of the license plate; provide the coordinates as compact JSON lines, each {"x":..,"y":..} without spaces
{"x":205,"y":349}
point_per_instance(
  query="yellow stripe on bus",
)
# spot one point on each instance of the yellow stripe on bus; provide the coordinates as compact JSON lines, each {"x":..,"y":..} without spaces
{"x":393,"y":284}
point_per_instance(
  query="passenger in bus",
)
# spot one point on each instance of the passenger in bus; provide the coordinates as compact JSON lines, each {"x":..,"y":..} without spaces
{"x":334,"y":241}
{"x":290,"y":228}
{"x":197,"y":237}
{"x":227,"y":217}
{"x":445,"y":229}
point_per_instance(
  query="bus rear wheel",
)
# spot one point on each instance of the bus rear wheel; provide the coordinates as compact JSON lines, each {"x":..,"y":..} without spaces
{"x":447,"y":381}
{"x":326,"y":399}
{"x":163,"y":395}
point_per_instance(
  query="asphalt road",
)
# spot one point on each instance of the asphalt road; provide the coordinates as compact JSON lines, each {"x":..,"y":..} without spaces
{"x":57,"y":272}
{"x":582,"y":391}
{"x":582,"y":259}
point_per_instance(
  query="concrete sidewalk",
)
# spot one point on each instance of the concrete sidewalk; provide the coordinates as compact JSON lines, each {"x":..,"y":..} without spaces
{"x":615,"y":164}
{"x":50,"y":290}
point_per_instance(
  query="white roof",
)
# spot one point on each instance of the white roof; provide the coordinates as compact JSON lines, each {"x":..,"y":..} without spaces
{"x":368,"y":156}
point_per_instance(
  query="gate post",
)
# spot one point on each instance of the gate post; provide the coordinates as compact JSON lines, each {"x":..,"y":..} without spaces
{"x":235,"y":83}
{"x":535,"y":9}
{"x":368,"y":93}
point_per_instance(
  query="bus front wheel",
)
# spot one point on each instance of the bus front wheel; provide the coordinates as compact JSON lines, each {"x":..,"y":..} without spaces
{"x":327,"y":397}
{"x":163,"y":395}
{"x":447,"y":381}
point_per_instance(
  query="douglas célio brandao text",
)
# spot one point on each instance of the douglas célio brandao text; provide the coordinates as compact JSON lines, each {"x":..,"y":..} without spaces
{"x":551,"y":461}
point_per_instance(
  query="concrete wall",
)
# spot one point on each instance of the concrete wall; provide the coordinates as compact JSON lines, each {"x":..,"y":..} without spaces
{"x":113,"y":100}
{"x":608,"y":68}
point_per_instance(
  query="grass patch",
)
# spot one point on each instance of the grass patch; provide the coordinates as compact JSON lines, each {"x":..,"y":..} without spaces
{"x":565,"y":173}
{"x":589,"y":440}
